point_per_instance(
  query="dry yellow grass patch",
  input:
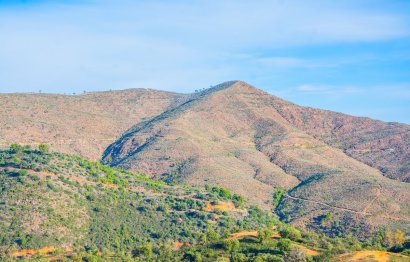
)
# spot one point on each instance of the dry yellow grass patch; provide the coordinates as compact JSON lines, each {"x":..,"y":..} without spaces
{"x":222,"y":206}
{"x":29,"y":252}
{"x":373,"y":255}
{"x":242,"y":234}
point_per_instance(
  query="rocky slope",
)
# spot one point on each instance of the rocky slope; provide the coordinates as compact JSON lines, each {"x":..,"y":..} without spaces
{"x":385,"y":146}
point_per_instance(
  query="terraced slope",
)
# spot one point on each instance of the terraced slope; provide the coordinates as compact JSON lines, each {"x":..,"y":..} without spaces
{"x":234,"y":136}
{"x":83,"y":124}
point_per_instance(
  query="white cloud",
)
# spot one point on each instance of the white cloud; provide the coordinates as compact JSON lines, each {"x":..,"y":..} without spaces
{"x":327,"y":89}
{"x":294,"y":62}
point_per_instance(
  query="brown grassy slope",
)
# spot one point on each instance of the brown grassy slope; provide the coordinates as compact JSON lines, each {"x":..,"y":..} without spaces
{"x":84,"y":124}
{"x":385,"y":146}
{"x":232,"y":136}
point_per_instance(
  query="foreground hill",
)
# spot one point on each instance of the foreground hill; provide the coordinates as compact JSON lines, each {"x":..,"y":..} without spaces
{"x":81,"y":124}
{"x":68,"y":202}
{"x":239,"y":137}
{"x":58,"y":206}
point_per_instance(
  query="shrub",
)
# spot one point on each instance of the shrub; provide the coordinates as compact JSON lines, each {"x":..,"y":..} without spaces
{"x":284,"y":244}
{"x":291,"y":233}
{"x":43,"y":148}
{"x":22,"y":172}
{"x":264,"y":234}
{"x":16,"y":148}
{"x":277,"y":196}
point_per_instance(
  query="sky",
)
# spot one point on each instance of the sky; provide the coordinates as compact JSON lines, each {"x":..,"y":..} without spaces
{"x":351,"y":56}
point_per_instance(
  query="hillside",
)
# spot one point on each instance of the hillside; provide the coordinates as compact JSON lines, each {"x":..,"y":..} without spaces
{"x":78,"y":124}
{"x":241,"y":138}
{"x":385,"y":146}
{"x":55,"y":206}
{"x":64,"y":201}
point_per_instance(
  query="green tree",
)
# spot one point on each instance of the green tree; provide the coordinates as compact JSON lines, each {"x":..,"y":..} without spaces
{"x":146,"y":250}
{"x":283,"y":244}
{"x":43,"y":148}
{"x":211,"y":235}
{"x":277,"y":196}
{"x":232,"y":246}
{"x":388,"y":240}
{"x":238,"y":200}
{"x":264,"y":234}
{"x":16,"y":148}
{"x":291,"y":233}
{"x":22,"y":172}
{"x":399,"y":237}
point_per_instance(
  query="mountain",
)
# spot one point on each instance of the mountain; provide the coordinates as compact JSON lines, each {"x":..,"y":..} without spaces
{"x":255,"y":144}
{"x":78,"y":124}
{"x":317,"y":169}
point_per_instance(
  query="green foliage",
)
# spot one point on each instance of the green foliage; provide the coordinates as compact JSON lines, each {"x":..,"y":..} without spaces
{"x":16,"y":148}
{"x":221,"y":192}
{"x":291,"y":233}
{"x":22,"y":172}
{"x":283,"y":245}
{"x":43,"y":148}
{"x":231,"y":246}
{"x":238,"y":200}
{"x":277,"y":196}
{"x":264,"y":234}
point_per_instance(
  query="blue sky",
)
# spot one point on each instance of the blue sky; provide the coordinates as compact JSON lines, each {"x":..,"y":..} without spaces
{"x":351,"y":56}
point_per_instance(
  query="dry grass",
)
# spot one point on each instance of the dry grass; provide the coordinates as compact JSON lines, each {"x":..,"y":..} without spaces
{"x":253,"y":233}
{"x":372,"y":255}
{"x":30,"y":252}
{"x":222,"y":206}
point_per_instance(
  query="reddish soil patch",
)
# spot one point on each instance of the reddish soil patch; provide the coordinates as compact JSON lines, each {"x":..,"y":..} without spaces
{"x":178,"y":244}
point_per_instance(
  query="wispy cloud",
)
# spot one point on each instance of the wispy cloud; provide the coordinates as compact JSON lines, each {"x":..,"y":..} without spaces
{"x":327,"y":89}
{"x":295,"y":62}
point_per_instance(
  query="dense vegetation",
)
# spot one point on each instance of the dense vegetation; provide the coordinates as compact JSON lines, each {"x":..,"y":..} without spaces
{"x":84,"y":210}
